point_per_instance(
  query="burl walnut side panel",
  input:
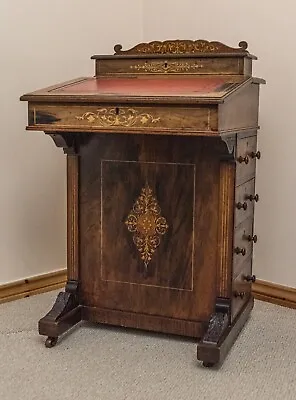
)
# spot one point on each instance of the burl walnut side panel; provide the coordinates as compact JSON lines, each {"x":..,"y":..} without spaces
{"x":135,"y":186}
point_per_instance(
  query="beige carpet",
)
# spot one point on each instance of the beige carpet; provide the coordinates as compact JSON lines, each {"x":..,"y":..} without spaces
{"x":96,"y":362}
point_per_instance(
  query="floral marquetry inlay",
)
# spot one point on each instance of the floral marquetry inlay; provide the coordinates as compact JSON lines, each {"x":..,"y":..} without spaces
{"x":147,"y":224}
{"x":165,"y":67}
{"x":118,"y":117}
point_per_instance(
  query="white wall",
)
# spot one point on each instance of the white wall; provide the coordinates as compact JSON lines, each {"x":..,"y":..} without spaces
{"x":269,"y":28}
{"x":41,"y":43}
{"x":44,"y":42}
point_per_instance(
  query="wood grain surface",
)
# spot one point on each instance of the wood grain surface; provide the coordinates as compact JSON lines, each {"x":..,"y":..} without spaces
{"x":184,"y":176}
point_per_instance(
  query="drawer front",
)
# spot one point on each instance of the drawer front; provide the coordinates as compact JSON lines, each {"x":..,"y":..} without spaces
{"x":194,"y":66}
{"x":241,"y":288}
{"x":244,"y":207}
{"x":246,"y":159}
{"x":243,"y":245}
{"x":118,"y":118}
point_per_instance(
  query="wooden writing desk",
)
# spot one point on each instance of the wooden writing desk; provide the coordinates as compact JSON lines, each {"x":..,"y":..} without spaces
{"x":161,"y":154}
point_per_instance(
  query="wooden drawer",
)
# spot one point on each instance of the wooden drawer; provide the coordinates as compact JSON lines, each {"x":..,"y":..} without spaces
{"x":243,"y":245}
{"x":244,"y":207}
{"x":131,"y":118}
{"x":241,"y":288}
{"x":246,"y":161}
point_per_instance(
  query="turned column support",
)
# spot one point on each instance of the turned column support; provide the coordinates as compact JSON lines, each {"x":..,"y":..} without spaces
{"x":68,"y":142}
{"x":225,"y":228}
{"x":209,"y":348}
{"x":66,"y":311}
{"x":226,"y":217}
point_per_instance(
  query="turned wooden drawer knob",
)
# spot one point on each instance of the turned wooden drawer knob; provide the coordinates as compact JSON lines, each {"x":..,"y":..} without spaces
{"x":253,"y":238}
{"x":256,"y":155}
{"x":250,"y":278}
{"x":243,"y":159}
{"x":239,"y":294}
{"x":240,"y":205}
{"x":239,"y":250}
{"x":252,"y":197}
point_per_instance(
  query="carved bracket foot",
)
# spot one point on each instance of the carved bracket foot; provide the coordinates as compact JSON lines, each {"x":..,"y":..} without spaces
{"x":221,"y":335}
{"x":64,"y":314}
{"x":217,"y":325}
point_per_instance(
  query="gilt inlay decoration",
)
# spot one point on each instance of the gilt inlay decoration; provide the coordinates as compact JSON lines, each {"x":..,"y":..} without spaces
{"x":147,"y":224}
{"x":118,"y":117}
{"x":180,"y":47}
{"x":165,"y":67}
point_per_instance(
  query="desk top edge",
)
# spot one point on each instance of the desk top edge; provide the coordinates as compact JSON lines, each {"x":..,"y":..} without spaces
{"x":51,"y":94}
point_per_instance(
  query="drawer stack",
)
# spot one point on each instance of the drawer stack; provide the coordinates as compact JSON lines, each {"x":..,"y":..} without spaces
{"x":244,"y":236}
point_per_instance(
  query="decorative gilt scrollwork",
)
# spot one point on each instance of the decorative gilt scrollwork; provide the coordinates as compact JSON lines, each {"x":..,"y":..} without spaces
{"x":165,"y":67}
{"x":118,"y":117}
{"x":181,"y":47}
{"x":147,"y":224}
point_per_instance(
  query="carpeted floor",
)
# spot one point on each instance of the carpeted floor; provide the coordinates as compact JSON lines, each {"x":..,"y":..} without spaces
{"x":100,"y":363}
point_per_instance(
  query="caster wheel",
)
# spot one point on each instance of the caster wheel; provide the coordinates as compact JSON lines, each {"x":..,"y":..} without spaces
{"x":50,"y":342}
{"x":208,"y":364}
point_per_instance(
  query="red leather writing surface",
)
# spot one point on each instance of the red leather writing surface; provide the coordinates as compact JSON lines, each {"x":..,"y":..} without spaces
{"x":148,"y":86}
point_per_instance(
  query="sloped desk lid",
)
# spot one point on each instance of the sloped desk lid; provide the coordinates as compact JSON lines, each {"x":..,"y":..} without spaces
{"x":160,"y":89}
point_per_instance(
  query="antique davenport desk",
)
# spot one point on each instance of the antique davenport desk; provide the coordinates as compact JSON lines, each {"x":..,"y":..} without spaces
{"x":161,"y":149}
